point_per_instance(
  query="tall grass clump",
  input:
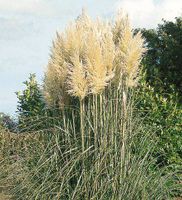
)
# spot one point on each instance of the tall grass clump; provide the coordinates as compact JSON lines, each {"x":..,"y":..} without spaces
{"x":100,"y":148}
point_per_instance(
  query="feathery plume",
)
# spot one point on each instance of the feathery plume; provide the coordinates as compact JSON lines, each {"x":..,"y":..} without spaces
{"x":55,"y":76}
{"x":77,"y":83}
{"x":90,"y":54}
{"x":129,"y":52}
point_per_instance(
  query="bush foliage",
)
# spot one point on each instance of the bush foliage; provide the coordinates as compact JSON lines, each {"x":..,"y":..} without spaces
{"x":163,"y":62}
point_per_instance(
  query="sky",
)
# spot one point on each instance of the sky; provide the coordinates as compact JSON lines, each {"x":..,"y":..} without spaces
{"x":27,"y":28}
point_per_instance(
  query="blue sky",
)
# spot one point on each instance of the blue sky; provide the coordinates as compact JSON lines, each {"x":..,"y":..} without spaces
{"x":27,"y":28}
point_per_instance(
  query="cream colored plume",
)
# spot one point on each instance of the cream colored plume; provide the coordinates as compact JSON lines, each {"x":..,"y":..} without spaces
{"x":99,"y":57}
{"x":77,"y":82}
{"x":89,"y":55}
{"x":55,"y":76}
{"x":129,"y":52}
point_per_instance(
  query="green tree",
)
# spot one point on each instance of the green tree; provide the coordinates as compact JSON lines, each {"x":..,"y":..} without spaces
{"x":163,"y":62}
{"x":30,"y":101}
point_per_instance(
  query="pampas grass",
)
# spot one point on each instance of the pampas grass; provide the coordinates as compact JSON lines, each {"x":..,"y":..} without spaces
{"x":91,"y":54}
{"x":51,"y":164}
{"x":97,"y":149}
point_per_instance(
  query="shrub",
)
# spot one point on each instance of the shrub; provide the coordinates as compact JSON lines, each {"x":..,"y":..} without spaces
{"x":162,"y":111}
{"x":30,"y":102}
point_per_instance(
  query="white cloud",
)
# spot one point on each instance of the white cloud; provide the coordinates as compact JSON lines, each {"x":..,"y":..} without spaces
{"x":26,"y":6}
{"x":149,"y":13}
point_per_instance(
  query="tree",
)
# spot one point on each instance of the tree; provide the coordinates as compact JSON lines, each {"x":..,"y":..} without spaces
{"x":7,"y":122}
{"x":163,"y":62}
{"x":30,"y":100}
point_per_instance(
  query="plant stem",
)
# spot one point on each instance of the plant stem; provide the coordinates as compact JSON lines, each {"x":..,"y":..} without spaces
{"x":82,"y":124}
